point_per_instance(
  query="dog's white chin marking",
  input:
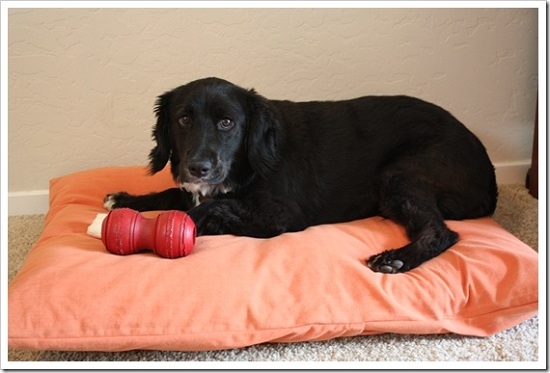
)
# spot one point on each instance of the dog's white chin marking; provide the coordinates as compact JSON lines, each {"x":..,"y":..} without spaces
{"x":202,"y":191}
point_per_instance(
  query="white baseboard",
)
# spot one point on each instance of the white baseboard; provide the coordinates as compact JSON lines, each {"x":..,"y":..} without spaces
{"x":37,"y":201}
{"x":28,"y":202}
{"x":512,"y":172}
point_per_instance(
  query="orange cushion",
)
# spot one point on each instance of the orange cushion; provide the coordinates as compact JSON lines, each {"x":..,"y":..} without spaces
{"x":71,"y":294}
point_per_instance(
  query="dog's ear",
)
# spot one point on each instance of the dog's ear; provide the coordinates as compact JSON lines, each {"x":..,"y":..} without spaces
{"x":160,"y":155}
{"x":264,"y":134}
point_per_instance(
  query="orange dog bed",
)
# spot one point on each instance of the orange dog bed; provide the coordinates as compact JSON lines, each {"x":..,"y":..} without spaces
{"x":71,"y":294}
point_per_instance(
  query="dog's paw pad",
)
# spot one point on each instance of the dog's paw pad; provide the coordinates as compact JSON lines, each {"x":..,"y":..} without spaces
{"x":381,"y":263}
{"x":393,"y":267}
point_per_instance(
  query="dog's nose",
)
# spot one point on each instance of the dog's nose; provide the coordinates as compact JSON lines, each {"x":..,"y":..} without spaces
{"x":200,"y":169}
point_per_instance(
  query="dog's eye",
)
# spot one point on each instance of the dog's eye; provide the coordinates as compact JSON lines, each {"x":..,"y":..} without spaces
{"x":184,"y":120}
{"x":225,"y":124}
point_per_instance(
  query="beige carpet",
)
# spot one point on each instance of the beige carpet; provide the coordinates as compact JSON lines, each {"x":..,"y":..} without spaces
{"x":517,"y":211}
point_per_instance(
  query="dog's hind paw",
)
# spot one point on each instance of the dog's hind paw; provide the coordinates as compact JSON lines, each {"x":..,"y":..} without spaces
{"x":383,"y":263}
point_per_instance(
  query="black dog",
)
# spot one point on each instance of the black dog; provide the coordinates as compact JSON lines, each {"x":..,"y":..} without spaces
{"x":246,"y":165}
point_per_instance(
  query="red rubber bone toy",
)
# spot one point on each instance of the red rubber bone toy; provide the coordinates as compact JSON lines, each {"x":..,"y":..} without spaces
{"x":170,"y":235}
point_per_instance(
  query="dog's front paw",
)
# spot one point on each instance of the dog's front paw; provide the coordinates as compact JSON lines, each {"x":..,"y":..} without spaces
{"x":387,"y":263}
{"x":214,"y":217}
{"x":116,"y":200}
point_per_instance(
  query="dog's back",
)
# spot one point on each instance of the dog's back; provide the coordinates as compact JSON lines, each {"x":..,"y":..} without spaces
{"x":340,"y":149}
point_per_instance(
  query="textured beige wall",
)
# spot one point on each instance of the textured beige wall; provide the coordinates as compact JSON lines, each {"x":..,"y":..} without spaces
{"x":82,"y":82}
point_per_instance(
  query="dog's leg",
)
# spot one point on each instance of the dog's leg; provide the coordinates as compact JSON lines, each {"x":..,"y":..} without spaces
{"x":412,"y":203}
{"x":253,"y":217}
{"x":169,"y":199}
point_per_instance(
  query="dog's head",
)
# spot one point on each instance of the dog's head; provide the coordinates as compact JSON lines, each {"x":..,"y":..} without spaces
{"x":215,"y":134}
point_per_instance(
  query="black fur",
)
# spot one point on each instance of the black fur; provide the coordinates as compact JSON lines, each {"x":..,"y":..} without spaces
{"x":267,"y":167}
